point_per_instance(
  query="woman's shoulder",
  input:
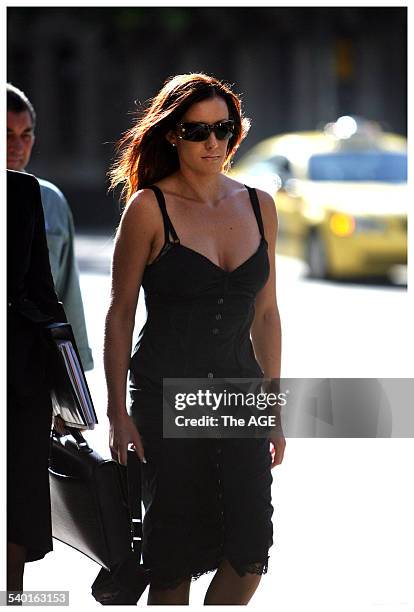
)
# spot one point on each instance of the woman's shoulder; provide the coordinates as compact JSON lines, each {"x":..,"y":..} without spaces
{"x":267,"y":209}
{"x":265,"y":198}
{"x":141,"y":211}
{"x":144,"y":203}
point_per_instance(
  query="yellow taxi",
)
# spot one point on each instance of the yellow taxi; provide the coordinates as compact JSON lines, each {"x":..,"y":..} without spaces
{"x":341,"y":196}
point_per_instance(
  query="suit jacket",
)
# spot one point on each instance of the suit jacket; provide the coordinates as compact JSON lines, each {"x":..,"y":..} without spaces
{"x":32,"y":300}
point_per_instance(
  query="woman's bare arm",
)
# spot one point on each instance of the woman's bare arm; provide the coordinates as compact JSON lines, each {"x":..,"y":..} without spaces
{"x":266,"y":328}
{"x":133,"y":244}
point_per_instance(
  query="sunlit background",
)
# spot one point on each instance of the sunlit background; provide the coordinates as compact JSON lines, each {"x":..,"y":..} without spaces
{"x":296,"y":68}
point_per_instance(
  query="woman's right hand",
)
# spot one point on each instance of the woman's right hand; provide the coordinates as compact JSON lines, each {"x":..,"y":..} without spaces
{"x":122,"y":432}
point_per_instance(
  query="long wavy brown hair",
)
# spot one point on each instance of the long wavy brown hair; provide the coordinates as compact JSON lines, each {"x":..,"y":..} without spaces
{"x":144,"y":156}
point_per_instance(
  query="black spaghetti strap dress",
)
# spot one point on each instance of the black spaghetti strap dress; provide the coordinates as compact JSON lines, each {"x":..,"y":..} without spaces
{"x":205,"y":499}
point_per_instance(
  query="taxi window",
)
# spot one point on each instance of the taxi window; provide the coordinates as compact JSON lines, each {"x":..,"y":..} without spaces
{"x":384,"y":166}
{"x":278,"y":164}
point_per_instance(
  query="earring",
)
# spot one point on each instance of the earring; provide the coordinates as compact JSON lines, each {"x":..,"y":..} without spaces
{"x":173,"y":144}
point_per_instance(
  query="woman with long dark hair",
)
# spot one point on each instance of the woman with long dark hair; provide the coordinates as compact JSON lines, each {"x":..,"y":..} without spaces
{"x":202,"y":246}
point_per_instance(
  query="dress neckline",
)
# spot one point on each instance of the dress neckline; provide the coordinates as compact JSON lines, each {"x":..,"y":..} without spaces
{"x":168,"y":227}
{"x":263,"y":242}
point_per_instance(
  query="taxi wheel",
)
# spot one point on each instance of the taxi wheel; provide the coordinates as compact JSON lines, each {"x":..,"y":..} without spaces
{"x":316,"y":256}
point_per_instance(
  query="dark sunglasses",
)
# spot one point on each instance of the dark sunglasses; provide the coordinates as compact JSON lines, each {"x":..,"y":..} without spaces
{"x":196,"y":132}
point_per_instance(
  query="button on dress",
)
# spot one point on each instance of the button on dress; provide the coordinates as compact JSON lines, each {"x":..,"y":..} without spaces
{"x":205,"y":499}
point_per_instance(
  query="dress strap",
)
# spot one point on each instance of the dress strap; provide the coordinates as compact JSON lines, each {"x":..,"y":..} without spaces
{"x":256,"y":207}
{"x":168,"y":226}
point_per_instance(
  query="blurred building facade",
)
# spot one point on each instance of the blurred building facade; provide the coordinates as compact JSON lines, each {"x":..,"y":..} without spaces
{"x":87,"y":69}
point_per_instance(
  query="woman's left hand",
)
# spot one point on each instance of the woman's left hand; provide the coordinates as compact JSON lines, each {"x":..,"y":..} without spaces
{"x":277,"y":448}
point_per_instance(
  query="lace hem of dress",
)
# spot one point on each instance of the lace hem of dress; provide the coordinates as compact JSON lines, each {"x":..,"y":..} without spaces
{"x":257,"y":567}
{"x":160,"y":584}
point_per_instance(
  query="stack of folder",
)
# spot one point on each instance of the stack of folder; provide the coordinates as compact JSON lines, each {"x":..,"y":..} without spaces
{"x":70,"y":393}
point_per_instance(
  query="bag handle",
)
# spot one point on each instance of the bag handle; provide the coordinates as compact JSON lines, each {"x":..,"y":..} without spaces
{"x":82,"y":443}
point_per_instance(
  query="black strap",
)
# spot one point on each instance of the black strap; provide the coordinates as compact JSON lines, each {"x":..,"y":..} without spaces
{"x":168,"y":226}
{"x":256,"y":207}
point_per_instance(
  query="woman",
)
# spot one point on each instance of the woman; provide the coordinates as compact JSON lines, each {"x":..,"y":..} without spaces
{"x":197,"y":241}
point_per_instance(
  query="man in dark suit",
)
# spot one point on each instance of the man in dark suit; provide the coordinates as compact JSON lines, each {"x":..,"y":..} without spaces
{"x":60,"y":229}
{"x":32,"y":303}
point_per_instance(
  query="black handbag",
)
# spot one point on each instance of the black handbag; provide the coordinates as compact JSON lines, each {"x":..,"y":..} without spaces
{"x":96,"y":509}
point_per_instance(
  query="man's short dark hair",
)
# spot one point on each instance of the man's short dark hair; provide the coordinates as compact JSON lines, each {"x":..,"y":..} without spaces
{"x":18,"y":102}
